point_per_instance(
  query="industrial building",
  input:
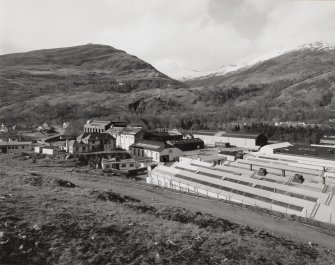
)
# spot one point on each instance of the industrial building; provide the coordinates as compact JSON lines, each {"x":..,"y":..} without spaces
{"x":158,"y":151}
{"x":247,"y":141}
{"x":9,"y":147}
{"x":116,"y":131}
{"x":129,"y":136}
{"x":328,"y":139}
{"x":101,"y":126}
{"x":161,"y":136}
{"x":267,"y":184}
{"x":188,"y":144}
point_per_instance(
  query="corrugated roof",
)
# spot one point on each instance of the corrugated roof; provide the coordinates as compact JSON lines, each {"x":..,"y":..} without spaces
{"x":310,"y":151}
{"x":150,"y":145}
{"x":131,"y":130}
{"x":225,"y":134}
{"x":95,"y":136}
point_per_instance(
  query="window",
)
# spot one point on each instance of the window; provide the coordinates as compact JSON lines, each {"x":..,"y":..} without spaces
{"x":123,"y":165}
{"x":22,"y":146}
{"x":170,"y":151}
{"x":131,"y":165}
{"x":16,"y":147}
{"x":93,"y":142}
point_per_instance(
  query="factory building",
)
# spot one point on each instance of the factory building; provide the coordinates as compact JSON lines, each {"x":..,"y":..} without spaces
{"x":9,"y":147}
{"x":158,"y":151}
{"x":129,"y":136}
{"x":246,"y":141}
{"x":259,"y":185}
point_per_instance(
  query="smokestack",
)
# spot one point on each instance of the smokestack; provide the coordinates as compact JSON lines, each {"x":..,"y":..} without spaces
{"x":67,"y":145}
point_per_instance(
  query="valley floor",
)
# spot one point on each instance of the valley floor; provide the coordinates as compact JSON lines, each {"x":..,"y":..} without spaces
{"x":53,"y":212}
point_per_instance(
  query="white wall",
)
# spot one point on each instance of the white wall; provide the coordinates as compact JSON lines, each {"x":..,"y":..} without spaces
{"x":127,"y":140}
{"x":210,"y":140}
{"x":173,"y":153}
{"x":122,"y":165}
{"x":47,"y":151}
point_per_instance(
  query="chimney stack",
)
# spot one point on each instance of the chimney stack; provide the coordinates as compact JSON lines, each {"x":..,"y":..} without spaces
{"x":67,"y":145}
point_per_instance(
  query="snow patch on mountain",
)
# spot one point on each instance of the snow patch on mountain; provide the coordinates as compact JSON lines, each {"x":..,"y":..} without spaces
{"x":181,"y":74}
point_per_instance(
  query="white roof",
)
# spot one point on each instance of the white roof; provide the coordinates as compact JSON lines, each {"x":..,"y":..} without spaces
{"x":278,"y":145}
{"x":10,"y":143}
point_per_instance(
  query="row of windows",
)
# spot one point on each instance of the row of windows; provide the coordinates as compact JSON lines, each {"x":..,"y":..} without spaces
{"x":15,"y":147}
{"x":83,"y":149}
{"x":122,"y":165}
{"x":94,"y":130}
{"x":125,"y":165}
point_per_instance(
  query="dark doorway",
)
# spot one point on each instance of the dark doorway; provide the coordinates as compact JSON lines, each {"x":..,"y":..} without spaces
{"x":4,"y":150}
{"x":164,"y":158}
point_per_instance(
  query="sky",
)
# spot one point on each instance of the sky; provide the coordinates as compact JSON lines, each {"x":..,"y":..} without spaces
{"x":172,"y":35}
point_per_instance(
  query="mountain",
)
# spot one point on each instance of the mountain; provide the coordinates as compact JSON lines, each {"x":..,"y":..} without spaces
{"x":306,"y":60}
{"x":68,"y":79}
{"x":185,"y":75}
{"x":295,"y":85}
{"x":193,"y":76}
{"x":93,"y":81}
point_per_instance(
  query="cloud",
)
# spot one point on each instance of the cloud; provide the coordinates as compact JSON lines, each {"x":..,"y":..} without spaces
{"x":170,"y":34}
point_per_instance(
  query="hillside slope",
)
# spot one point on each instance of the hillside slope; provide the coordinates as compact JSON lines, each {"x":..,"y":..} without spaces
{"x":28,"y":81}
{"x":299,"y":83}
{"x":95,"y":81}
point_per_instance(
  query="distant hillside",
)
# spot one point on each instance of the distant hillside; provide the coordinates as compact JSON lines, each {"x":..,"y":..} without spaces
{"x":296,"y":85}
{"x":295,"y":65}
{"x":70,"y":78}
{"x":100,"y":81}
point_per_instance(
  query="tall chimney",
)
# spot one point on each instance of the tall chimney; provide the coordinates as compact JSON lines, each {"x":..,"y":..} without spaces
{"x":67,"y":145}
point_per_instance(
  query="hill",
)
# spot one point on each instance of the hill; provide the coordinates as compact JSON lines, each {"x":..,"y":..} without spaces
{"x":96,"y":81}
{"x":67,"y":79}
{"x":76,"y":215}
{"x":297,"y":85}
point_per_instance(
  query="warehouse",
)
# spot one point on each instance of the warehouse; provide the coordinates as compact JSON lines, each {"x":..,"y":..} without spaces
{"x":14,"y":147}
{"x":247,"y":141}
{"x":328,"y":139}
{"x":235,"y":183}
{"x":129,"y":136}
{"x":188,"y":144}
{"x":158,"y":151}
{"x":161,"y":136}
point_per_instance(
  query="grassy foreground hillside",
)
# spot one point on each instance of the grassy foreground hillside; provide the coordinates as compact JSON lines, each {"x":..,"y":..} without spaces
{"x":78,"y":216}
